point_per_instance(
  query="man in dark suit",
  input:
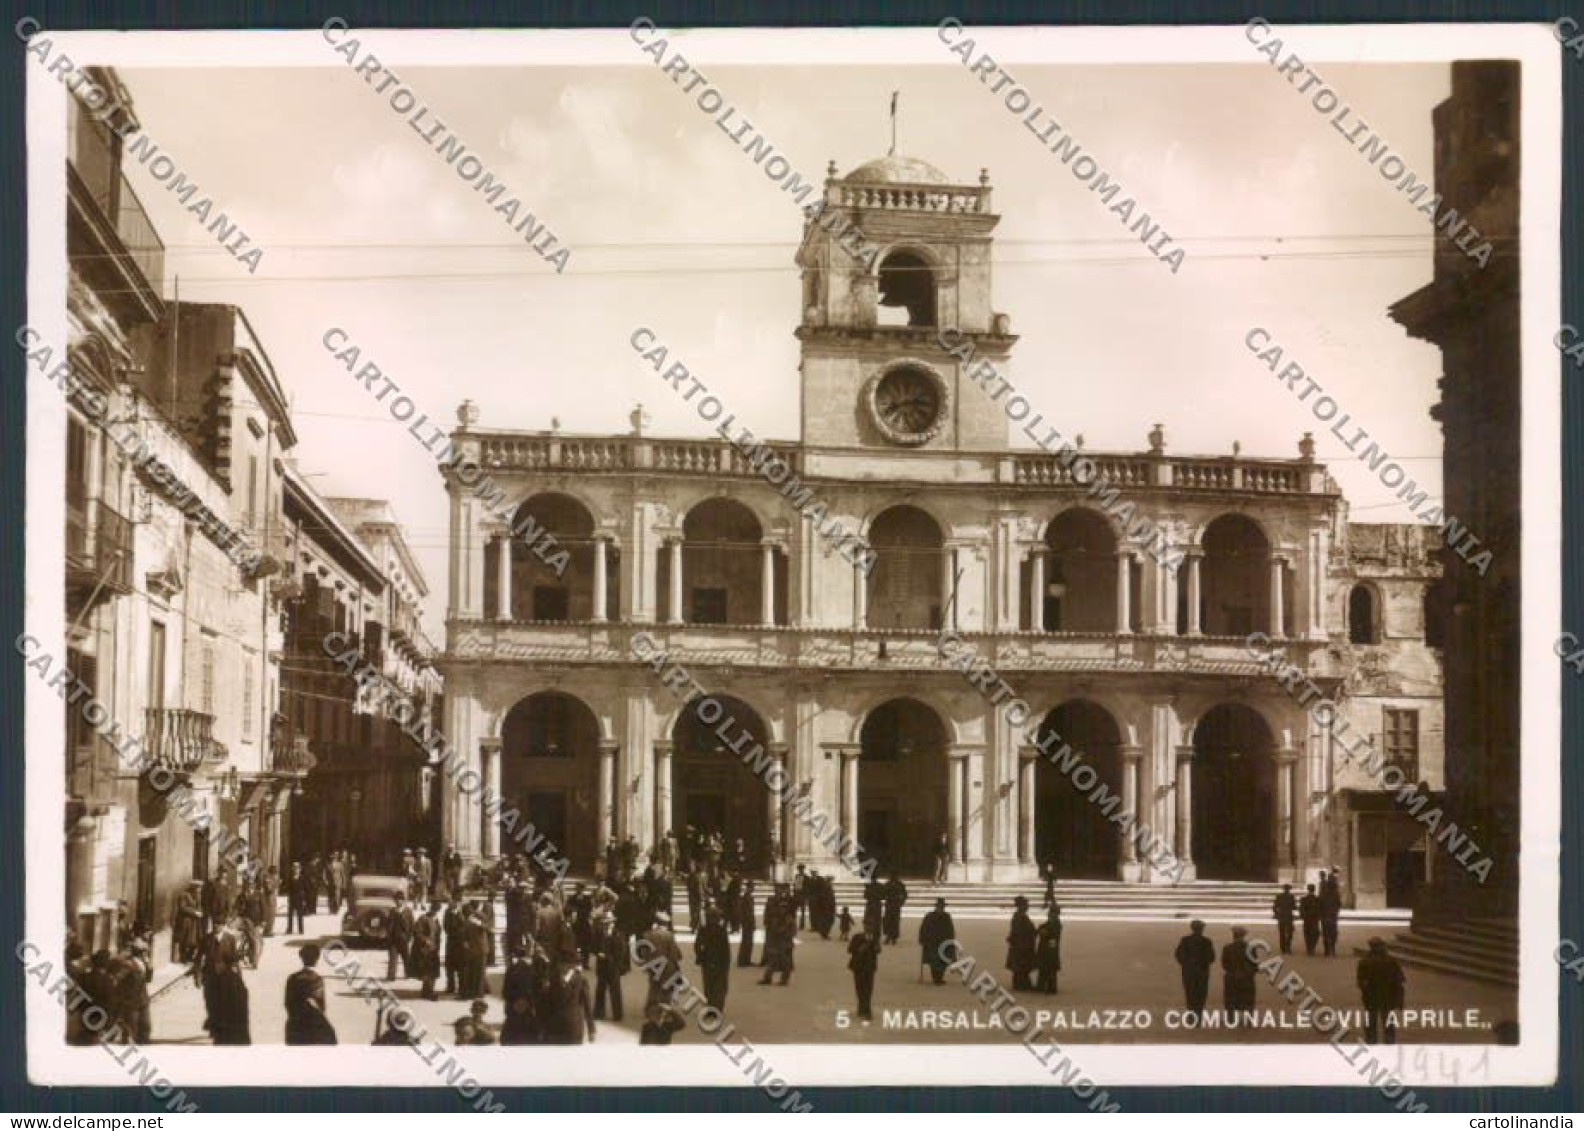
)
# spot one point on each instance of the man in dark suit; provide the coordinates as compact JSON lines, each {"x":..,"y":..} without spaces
{"x":306,"y":1023}
{"x":712,"y":949}
{"x":1309,"y":912}
{"x":747,"y":921}
{"x":451,"y":921}
{"x":1237,"y":973}
{"x":896,"y":894}
{"x":398,"y":937}
{"x":1196,"y":954}
{"x":1283,"y":908}
{"x":611,"y":961}
{"x":935,"y":930}
{"x":301,"y":897}
{"x":863,"y":959}
{"x":1380,"y":982}
{"x":1021,"y":945}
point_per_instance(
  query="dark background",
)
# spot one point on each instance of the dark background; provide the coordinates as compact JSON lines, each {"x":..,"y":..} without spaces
{"x":17,"y":1095}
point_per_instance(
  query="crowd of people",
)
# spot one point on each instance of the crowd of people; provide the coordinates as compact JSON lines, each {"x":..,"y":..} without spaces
{"x":1380,"y":978}
{"x":567,"y":946}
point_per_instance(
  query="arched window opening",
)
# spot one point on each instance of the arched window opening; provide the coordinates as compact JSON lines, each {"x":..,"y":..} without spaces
{"x":905,"y":587}
{"x":907,"y":288}
{"x":1363,"y":626}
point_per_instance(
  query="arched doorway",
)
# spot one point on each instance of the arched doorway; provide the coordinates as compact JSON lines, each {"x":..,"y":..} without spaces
{"x":902,"y":786}
{"x":545,"y":586}
{"x":714,"y":792}
{"x":1070,"y":830}
{"x":1234,"y":796}
{"x":905,"y":586}
{"x":1080,"y":574}
{"x":1236,"y":579}
{"x":550,"y":774}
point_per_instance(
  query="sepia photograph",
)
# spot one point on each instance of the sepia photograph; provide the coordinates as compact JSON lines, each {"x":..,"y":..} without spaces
{"x":816,"y":548}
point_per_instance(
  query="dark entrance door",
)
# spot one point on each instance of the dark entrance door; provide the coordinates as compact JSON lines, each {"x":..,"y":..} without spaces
{"x":1404,"y":872}
{"x":547,"y":812}
{"x":144,"y":911}
{"x":877,"y":834}
{"x":706,"y":812}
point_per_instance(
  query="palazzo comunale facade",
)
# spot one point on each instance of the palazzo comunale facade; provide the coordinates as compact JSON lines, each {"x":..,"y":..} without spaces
{"x":1135,"y":651}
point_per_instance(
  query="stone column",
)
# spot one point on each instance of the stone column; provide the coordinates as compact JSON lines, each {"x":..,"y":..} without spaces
{"x":1027,"y":785}
{"x":860,"y":599}
{"x":1131,"y":756}
{"x":1286,"y":860}
{"x":674,"y":612}
{"x":849,"y":791}
{"x":949,"y":594}
{"x":490,"y":755}
{"x":1193,"y":562}
{"x":1276,"y":610}
{"x":1037,"y":590}
{"x":662,"y":787}
{"x":767,"y":584}
{"x":1124,"y":593}
{"x":606,"y":802}
{"x":773,"y":810}
{"x":600,"y":610}
{"x":1185,"y":756}
{"x":956,"y":766}
{"x":503,"y":577}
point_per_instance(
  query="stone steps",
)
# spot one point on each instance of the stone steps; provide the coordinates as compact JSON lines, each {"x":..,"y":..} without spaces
{"x":1485,"y":950}
{"x":1096,"y":900}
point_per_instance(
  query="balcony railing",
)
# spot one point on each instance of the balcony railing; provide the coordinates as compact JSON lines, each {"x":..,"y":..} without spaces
{"x":916,"y":198}
{"x":1123,"y":472}
{"x":507,"y":451}
{"x":98,"y":549}
{"x":179,"y":739}
{"x":93,"y":157}
{"x":289,"y":753}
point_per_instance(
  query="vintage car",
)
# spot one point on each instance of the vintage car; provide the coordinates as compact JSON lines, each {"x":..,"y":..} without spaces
{"x":369,"y":906}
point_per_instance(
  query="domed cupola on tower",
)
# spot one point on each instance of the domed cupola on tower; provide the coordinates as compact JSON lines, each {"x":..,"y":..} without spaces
{"x":897,"y":252}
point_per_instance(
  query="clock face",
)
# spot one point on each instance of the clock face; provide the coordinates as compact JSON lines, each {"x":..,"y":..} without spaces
{"x":907,"y":405}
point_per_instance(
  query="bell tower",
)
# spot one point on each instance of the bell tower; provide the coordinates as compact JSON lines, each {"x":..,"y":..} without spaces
{"x":894,"y":254}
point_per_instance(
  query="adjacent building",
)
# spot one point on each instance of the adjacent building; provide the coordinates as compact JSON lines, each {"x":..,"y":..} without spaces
{"x":173,"y":496}
{"x":372,"y":790}
{"x":200,"y":572}
{"x":1122,"y":616}
{"x":1471,"y":311}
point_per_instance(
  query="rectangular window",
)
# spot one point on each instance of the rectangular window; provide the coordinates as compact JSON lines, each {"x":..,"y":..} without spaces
{"x":200,"y":856}
{"x":79,"y":734}
{"x":251,"y":507}
{"x":156,"y":665}
{"x":247,"y":696}
{"x":206,"y":677}
{"x":1400,"y":740}
{"x":144,"y":909}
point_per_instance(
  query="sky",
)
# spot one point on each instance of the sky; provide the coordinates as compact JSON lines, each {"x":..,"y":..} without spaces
{"x":673,"y":227}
